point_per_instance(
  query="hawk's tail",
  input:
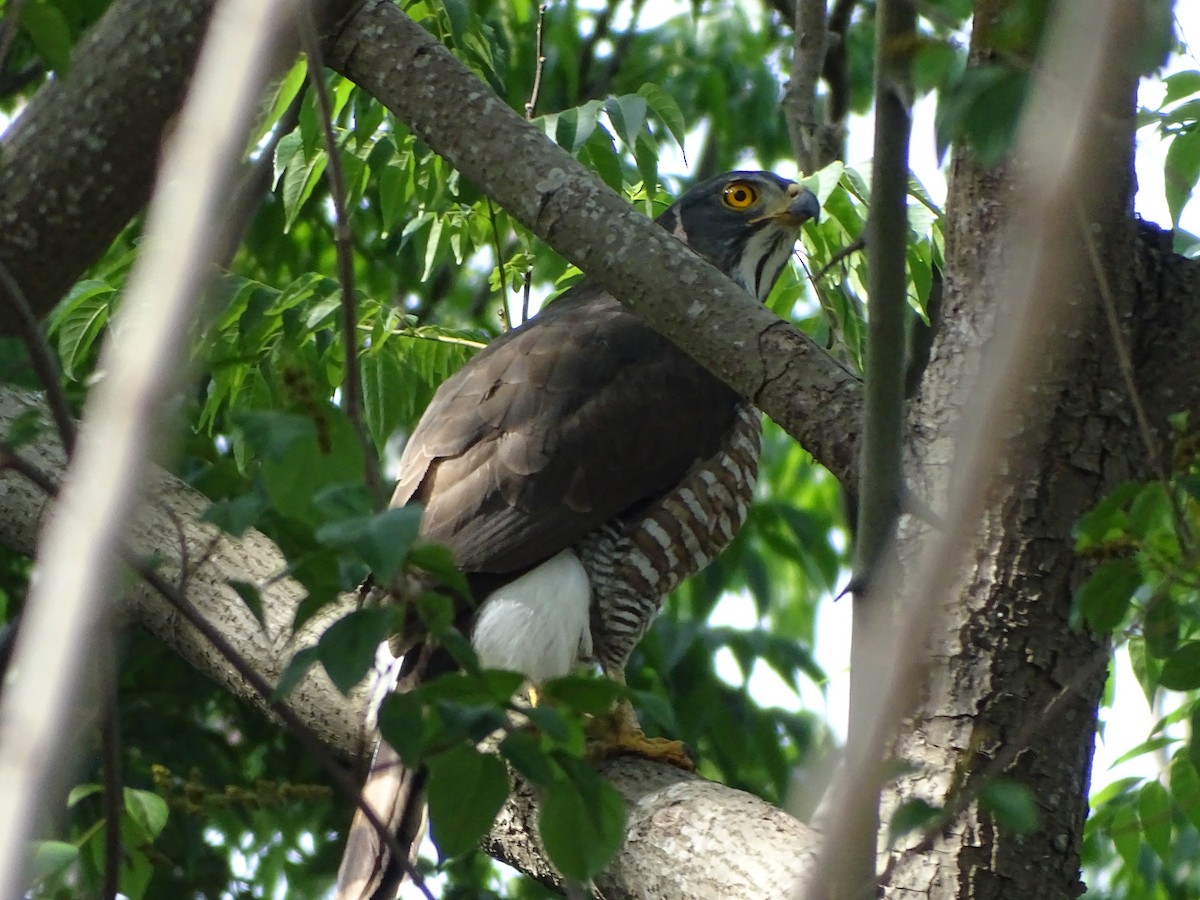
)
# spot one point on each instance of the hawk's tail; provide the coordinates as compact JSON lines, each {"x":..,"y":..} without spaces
{"x":370,"y":869}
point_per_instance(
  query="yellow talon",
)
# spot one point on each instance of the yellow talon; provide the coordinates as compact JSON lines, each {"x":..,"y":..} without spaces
{"x":619,"y":733}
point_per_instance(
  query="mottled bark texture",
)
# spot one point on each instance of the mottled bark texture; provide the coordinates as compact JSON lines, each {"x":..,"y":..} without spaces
{"x":680,"y":825}
{"x":1004,"y":651}
{"x":79,"y":161}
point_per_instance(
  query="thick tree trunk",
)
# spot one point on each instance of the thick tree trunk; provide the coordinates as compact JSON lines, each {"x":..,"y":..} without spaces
{"x":1012,"y":680}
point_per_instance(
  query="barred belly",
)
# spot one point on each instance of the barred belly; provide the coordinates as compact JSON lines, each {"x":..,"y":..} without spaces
{"x":633,"y":563}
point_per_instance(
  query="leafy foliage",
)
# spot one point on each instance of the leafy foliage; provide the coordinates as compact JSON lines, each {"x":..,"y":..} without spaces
{"x":218,"y":802}
{"x":1145,"y":588}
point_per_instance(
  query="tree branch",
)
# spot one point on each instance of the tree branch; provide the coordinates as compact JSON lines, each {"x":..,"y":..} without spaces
{"x":765,"y":359}
{"x":670,"y":810}
{"x":80,"y":159}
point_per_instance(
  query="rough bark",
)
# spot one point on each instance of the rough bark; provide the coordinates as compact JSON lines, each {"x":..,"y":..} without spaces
{"x":1004,"y":653}
{"x":80,"y":160}
{"x":674,"y":817}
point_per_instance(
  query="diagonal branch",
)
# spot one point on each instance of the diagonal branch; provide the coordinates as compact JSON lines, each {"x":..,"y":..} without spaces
{"x":670,"y":811}
{"x":765,"y":359}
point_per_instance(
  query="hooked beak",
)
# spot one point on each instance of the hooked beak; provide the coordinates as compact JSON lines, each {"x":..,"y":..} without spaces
{"x":800,"y":205}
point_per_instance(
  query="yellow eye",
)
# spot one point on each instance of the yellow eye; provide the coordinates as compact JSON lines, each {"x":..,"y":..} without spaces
{"x":739,"y":195}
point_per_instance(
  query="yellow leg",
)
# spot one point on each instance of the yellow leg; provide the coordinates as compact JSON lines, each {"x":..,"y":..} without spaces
{"x":533,"y":695}
{"x":619,"y":733}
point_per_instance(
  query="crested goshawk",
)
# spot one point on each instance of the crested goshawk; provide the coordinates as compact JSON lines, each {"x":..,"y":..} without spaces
{"x":578,"y":469}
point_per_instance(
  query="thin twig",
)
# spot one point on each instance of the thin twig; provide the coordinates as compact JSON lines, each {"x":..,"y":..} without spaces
{"x":491,"y":209}
{"x":880,"y":459}
{"x":1126,"y":367}
{"x":531,"y":104}
{"x":853,"y":247}
{"x":44,"y":363}
{"x":343,"y":240}
{"x":114,"y":795}
{"x":437,"y":338}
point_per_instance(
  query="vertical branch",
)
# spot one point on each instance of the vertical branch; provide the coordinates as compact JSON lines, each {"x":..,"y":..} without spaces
{"x":800,"y":98}
{"x":343,"y":241}
{"x":880,"y":459}
{"x":1085,"y":61}
{"x":539,"y":65}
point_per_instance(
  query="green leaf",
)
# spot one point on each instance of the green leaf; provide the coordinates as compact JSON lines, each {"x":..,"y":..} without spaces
{"x":250,"y":596}
{"x":82,"y":791}
{"x":299,"y":456}
{"x":982,"y":105}
{"x":485,"y":688}
{"x":299,"y":179}
{"x":1146,"y":669}
{"x":466,"y":790}
{"x":297,"y":668}
{"x":439,"y":562}
{"x":601,"y":154}
{"x":582,"y":822}
{"x":910,"y":816}
{"x":51,"y":858}
{"x":1104,"y":599}
{"x":1181,"y":670}
{"x":1180,"y":85}
{"x":23,"y":429}
{"x":237,"y":514}
{"x":592,"y":696}
{"x":402,"y":724}
{"x":1147,"y":746}
{"x":285,"y":92}
{"x":1154,"y":813}
{"x":1011,"y":804}
{"x":51,"y":35}
{"x":668,"y":110}
{"x":1160,"y":625}
{"x":381,"y":541}
{"x":575,"y":126}
{"x":1126,"y":835}
{"x":1181,"y":171}
{"x":147,"y":809}
{"x":1185,"y":785}
{"x":528,"y":757}
{"x":628,"y":116}
{"x":1150,"y":511}
{"x":78,"y":322}
{"x":347,"y":648}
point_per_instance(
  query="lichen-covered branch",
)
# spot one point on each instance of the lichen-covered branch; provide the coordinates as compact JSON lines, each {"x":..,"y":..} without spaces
{"x":713,"y":835}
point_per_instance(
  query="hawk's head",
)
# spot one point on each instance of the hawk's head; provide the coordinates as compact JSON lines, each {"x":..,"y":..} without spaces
{"x":744,"y":223}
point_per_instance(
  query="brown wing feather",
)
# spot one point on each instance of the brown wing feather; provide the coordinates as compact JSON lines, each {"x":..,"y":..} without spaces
{"x":554,"y":429}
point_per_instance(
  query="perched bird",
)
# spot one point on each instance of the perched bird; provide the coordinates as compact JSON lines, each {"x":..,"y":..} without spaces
{"x":579,"y":468}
